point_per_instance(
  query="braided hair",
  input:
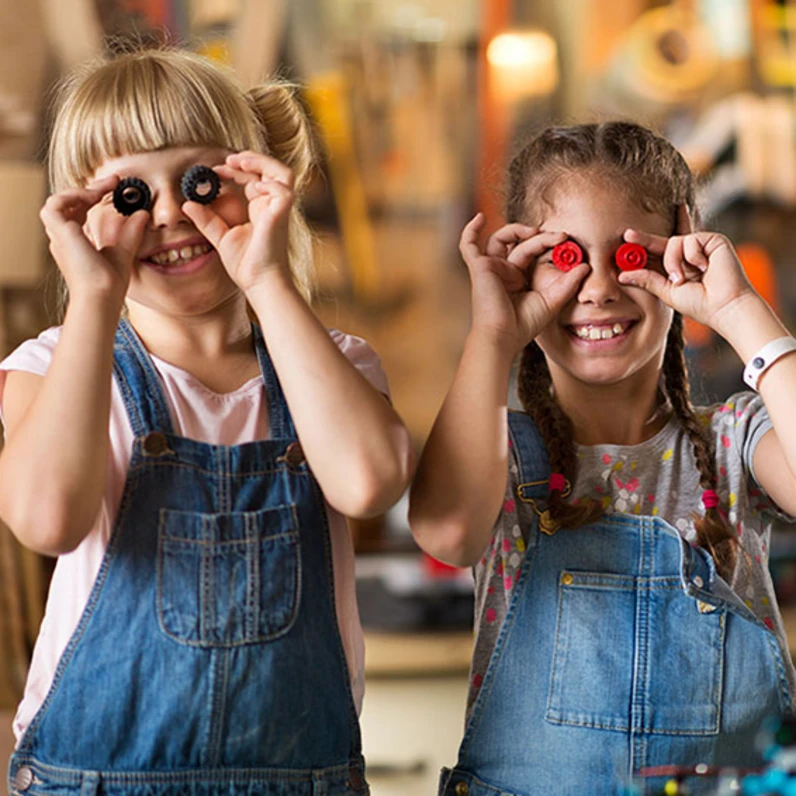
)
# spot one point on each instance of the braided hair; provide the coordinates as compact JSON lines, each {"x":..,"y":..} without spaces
{"x":653,"y":171}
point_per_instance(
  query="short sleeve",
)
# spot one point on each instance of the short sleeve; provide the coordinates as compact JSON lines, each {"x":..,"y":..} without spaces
{"x":363,"y":358}
{"x":32,"y":356}
{"x":740,"y":423}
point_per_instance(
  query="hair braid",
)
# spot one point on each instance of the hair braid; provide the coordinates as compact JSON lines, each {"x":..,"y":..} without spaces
{"x":533,"y":388}
{"x":713,"y":531}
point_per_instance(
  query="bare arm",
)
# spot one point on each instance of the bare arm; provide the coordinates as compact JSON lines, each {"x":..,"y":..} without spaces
{"x":358,"y":448}
{"x":52,"y":468}
{"x":748,"y":327}
{"x":713,"y":289}
{"x":461,"y":479}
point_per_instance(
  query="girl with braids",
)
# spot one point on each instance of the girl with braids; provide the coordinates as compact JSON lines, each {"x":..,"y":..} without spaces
{"x":625,"y":617}
{"x":188,"y":444}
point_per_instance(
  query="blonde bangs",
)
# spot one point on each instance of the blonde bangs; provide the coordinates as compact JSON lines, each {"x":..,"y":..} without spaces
{"x":146,"y":102}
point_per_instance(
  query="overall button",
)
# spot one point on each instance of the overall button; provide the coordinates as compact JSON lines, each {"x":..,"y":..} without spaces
{"x":24,"y":778}
{"x":462,"y":789}
{"x":294,"y":455}
{"x":355,"y":779}
{"x":698,"y":582}
{"x":155,"y":443}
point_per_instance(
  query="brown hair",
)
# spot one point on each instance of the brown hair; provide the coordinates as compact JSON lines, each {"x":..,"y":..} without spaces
{"x":146,"y":99}
{"x":655,"y":174}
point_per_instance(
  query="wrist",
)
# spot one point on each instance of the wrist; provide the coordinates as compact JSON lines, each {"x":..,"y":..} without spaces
{"x":748,"y":324}
{"x":493,"y":343}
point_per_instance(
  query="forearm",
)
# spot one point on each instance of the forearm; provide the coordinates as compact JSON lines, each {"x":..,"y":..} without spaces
{"x":748,"y":327}
{"x":53,"y":465}
{"x":461,"y":479}
{"x":357,"y":446}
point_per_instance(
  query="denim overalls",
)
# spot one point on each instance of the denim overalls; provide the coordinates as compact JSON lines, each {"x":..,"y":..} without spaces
{"x":621,"y":649}
{"x":208,"y":658}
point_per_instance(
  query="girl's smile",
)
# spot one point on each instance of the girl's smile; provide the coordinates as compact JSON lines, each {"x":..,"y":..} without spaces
{"x":608,"y":331}
{"x":172,"y":247}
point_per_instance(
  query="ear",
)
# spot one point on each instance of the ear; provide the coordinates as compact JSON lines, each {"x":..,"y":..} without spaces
{"x":683,"y":225}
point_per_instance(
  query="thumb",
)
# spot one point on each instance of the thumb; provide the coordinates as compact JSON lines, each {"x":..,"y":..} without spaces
{"x":561,"y":290}
{"x":132,"y":232}
{"x":208,"y":222}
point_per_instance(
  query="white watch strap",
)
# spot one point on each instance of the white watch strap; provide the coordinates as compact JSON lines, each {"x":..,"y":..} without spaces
{"x":765,"y":358}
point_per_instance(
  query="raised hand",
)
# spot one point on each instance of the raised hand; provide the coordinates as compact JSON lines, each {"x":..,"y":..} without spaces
{"x":259,"y":244}
{"x":95,"y":258}
{"x":503,"y":302}
{"x":701,"y":275}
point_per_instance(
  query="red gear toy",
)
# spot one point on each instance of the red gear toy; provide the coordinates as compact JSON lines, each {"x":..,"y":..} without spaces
{"x":567,"y":255}
{"x":631,"y":256}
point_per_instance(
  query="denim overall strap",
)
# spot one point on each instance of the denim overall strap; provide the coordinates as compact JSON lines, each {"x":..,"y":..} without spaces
{"x":139,"y":383}
{"x":208,"y":658}
{"x":618,"y":653}
{"x":279,"y":418}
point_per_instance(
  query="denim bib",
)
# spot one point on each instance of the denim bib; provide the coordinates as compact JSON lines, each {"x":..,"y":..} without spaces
{"x":622,"y":649}
{"x":208,"y":658}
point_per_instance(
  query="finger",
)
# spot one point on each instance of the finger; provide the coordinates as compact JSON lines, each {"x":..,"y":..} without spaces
{"x":238,"y":176}
{"x":683,"y":225}
{"x":208,"y":222}
{"x":693,"y":252}
{"x":561,"y":290}
{"x":270,"y":188}
{"x":524,"y":253}
{"x":651,"y":281}
{"x":262,"y":164}
{"x":104,"y":184}
{"x":132,"y":231}
{"x":506,"y":237}
{"x":654,"y":244}
{"x":468,"y":241}
{"x":673,"y":259}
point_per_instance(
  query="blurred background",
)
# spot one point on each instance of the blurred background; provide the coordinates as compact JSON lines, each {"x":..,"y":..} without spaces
{"x":418,"y":106}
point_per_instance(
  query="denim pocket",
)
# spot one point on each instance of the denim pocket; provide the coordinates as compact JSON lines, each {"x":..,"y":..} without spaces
{"x":635,"y":654}
{"x":228,"y":579}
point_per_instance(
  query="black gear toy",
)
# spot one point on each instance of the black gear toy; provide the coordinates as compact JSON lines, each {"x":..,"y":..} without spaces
{"x":200,"y":184}
{"x":131,"y":194}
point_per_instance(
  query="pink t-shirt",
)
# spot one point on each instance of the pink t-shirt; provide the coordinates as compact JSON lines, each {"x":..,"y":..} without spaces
{"x":200,"y":414}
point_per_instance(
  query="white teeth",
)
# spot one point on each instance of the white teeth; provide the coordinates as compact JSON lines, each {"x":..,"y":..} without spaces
{"x":180,"y":256}
{"x":598,"y":332}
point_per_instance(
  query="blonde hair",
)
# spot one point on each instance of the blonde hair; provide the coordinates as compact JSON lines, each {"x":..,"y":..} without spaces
{"x":150,"y":99}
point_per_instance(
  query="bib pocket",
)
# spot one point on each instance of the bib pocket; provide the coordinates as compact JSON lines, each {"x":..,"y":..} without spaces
{"x":228,"y":579}
{"x":635,"y":654}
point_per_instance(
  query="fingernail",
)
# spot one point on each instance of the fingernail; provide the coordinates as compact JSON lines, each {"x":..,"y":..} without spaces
{"x":675,"y":278}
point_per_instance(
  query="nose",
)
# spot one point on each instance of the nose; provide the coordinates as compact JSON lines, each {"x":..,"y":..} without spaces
{"x":167,"y":207}
{"x":600,"y":286}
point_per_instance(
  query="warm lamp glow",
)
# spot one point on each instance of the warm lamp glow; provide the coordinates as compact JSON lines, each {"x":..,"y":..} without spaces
{"x":523,"y":64}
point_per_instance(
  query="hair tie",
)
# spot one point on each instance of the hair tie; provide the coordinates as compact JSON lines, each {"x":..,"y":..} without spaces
{"x":557,"y":482}
{"x":710,"y":499}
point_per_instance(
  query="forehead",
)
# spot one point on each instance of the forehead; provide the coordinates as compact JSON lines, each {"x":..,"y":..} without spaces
{"x":596,"y":209}
{"x":176,"y":159}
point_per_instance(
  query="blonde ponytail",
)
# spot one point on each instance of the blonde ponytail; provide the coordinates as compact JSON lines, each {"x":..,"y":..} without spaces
{"x":288,"y":137}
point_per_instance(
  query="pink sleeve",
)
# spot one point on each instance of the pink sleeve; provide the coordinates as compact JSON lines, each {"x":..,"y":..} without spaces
{"x":363,"y":358}
{"x":32,"y":356}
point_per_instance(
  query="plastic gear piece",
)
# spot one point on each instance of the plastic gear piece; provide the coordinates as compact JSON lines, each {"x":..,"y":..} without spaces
{"x":200,"y":184}
{"x":130,"y":195}
{"x":631,"y":257}
{"x":567,"y":255}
